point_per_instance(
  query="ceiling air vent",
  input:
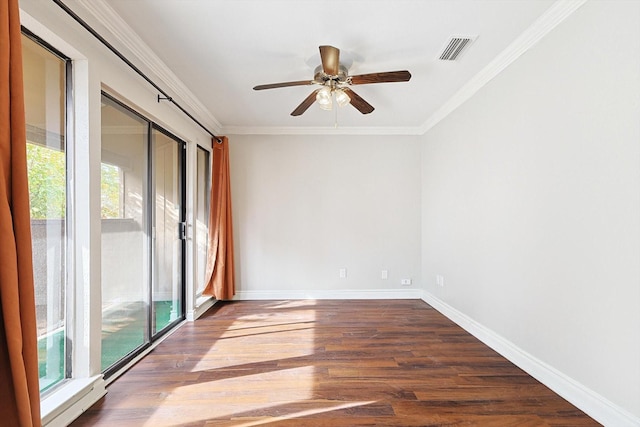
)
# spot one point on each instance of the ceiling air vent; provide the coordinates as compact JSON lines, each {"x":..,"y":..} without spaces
{"x":454,"y":48}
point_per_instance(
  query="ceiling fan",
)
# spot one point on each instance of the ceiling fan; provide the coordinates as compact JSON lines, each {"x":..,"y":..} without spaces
{"x":336,"y":81}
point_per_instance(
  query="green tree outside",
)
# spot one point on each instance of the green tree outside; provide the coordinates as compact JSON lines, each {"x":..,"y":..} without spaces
{"x":47,"y":182}
{"x":46,"y":169}
{"x":110,"y":188}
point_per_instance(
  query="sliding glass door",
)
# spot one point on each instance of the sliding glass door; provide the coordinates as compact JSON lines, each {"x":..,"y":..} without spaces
{"x":142,"y":203}
{"x":169,"y":230}
{"x":125,"y":231}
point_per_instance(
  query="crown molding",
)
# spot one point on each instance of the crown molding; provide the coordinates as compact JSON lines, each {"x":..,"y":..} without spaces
{"x":319,"y":130}
{"x":125,"y":35}
{"x":550,"y":19}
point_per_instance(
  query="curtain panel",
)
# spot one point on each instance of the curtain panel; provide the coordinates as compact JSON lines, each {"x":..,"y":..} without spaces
{"x":219,"y":276}
{"x":19,"y":391}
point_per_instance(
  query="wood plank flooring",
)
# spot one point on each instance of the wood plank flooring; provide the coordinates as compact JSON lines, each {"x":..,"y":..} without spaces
{"x":327,"y":363}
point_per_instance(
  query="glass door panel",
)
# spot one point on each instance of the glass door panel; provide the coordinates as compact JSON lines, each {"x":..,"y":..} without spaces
{"x":203,"y":190}
{"x":125,"y":233}
{"x":167,"y":294}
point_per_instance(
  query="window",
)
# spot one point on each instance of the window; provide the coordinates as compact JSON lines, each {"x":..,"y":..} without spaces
{"x":45,"y":76}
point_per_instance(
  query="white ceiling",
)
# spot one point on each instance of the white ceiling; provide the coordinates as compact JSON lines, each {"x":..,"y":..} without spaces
{"x":214,"y":51}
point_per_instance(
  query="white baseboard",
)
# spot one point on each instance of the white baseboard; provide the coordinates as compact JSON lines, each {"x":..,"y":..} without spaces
{"x":593,"y":404}
{"x":202,"y":304}
{"x":409,"y":293}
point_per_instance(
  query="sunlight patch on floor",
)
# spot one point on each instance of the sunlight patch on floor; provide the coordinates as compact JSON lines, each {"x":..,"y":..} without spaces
{"x":233,"y":396}
{"x":257,"y":335}
{"x":249,"y":374}
{"x":330,"y":406}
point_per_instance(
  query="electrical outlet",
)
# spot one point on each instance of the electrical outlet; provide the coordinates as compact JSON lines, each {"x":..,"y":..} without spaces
{"x":342,"y":273}
{"x":384,"y":275}
{"x":440,"y":281}
{"x":405,"y":282}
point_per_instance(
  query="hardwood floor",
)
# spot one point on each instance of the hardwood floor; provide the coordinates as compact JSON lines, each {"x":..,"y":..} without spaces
{"x":327,"y":363}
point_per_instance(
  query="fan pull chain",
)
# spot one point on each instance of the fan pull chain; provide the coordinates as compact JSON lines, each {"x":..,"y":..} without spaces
{"x":335,"y":117}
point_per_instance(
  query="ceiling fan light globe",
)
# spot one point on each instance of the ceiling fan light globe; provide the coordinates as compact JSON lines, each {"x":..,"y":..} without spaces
{"x":342,"y":98}
{"x":324,"y":98}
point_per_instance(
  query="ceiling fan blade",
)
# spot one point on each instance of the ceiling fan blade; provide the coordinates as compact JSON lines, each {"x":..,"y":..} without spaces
{"x":360,"y":104}
{"x":284,"y":84}
{"x":330,"y":60}
{"x":305,"y":104}
{"x":386,"y":77}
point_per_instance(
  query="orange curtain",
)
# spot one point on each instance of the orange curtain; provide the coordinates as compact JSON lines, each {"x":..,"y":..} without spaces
{"x":19,"y":390}
{"x":219,"y":272}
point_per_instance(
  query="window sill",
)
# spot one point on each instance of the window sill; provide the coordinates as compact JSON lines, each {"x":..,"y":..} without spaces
{"x":69,"y":400}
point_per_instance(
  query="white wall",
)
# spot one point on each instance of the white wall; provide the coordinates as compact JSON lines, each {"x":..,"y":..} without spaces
{"x":531,"y":203}
{"x":306,"y":206}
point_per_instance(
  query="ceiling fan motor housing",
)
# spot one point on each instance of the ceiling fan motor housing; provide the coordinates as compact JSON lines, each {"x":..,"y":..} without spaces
{"x":322,"y":78}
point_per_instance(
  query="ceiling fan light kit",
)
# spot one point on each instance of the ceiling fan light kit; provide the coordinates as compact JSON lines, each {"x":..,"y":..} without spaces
{"x":336,"y":84}
{"x":325,"y":96}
